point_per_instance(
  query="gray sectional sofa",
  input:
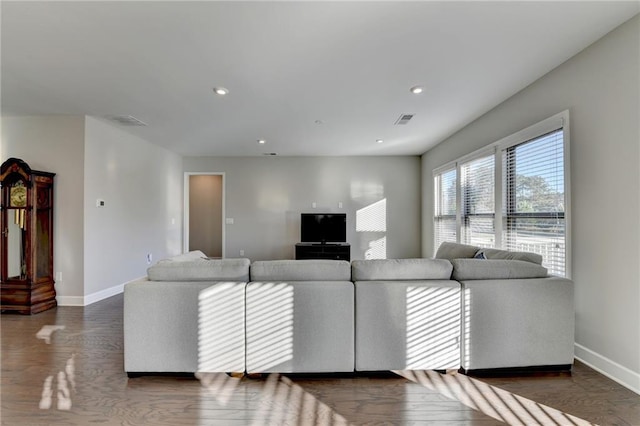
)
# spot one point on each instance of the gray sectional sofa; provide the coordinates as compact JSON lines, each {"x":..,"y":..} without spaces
{"x":514,"y":314}
{"x":469,"y":308}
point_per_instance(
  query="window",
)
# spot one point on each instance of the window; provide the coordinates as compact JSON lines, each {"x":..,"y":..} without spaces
{"x":478,"y":205}
{"x":445,"y":207}
{"x":531,"y":193}
{"x":533,"y":209}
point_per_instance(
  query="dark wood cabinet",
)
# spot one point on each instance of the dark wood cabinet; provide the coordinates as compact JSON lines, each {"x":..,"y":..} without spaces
{"x":26,"y":244}
{"x":340,"y":251}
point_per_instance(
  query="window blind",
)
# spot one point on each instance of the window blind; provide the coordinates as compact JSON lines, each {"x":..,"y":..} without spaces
{"x":534,"y":199}
{"x":478,"y":202}
{"x":445,"y":227}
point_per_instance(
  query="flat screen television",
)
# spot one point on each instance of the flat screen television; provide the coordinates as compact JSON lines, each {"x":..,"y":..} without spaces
{"x":323,"y":228}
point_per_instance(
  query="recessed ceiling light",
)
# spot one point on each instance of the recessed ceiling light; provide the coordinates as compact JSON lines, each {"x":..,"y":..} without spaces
{"x":319,"y":122}
{"x":261,"y":141}
{"x":416,"y":89}
{"x":220,"y":91}
{"x":379,"y":140}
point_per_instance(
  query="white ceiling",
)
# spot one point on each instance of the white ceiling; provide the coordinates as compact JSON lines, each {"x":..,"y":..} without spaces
{"x":287,"y":65}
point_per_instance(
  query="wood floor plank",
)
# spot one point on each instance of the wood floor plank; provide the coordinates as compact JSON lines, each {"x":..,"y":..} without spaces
{"x":79,"y":351}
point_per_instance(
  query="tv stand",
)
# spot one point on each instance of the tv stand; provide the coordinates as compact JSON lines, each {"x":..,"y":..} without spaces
{"x":336,"y":251}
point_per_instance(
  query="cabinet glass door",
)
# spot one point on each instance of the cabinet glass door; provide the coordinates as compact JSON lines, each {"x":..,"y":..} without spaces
{"x":14,"y":236}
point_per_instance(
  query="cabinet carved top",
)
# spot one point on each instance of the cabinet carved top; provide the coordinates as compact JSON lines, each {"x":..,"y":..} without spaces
{"x":15,"y":169}
{"x":12,"y":166}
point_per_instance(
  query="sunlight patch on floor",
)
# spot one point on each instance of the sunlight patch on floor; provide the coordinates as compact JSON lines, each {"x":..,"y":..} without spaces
{"x":64,"y":380}
{"x":220,"y":385}
{"x":504,"y":406}
{"x":283,"y":402}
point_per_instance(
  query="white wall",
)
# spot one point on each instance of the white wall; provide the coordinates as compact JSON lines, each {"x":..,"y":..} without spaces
{"x":265,"y":196}
{"x":141,"y":185}
{"x":56,"y":144}
{"x":601,"y":88}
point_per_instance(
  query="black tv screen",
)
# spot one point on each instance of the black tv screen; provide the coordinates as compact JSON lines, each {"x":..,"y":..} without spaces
{"x":323,"y":227}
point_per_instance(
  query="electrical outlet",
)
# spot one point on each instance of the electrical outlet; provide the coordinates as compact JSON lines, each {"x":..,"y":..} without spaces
{"x":241,"y":252}
{"x":59,"y":276}
{"x":339,"y":204}
{"x":149,"y":258}
{"x":314,"y":205}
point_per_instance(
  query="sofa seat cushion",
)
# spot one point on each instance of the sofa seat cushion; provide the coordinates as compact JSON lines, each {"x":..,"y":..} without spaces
{"x":413,"y":324}
{"x":184,"y":327}
{"x":200,"y":269}
{"x":448,"y":250}
{"x":299,"y":326}
{"x":301,"y":270}
{"x":401,"y":269}
{"x":490,"y":253}
{"x":480,"y":269}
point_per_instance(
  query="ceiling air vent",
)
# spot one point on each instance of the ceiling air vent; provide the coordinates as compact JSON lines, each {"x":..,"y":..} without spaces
{"x":404,"y":119}
{"x":126,"y":120}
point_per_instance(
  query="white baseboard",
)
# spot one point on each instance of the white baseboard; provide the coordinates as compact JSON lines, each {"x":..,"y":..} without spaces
{"x":103,"y":294}
{"x":93,"y":297}
{"x":616,"y":372}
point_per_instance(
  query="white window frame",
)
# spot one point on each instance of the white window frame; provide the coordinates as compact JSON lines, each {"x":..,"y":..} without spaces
{"x":555,"y":122}
{"x":485,"y":152}
{"x":437,"y":199}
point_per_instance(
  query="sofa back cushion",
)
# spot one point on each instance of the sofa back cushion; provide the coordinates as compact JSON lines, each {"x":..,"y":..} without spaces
{"x":496,"y":269}
{"x":301,"y":270}
{"x":401,"y":269}
{"x":200,"y":269}
{"x":490,"y":253}
{"x":185,"y":257}
{"x":450,"y":251}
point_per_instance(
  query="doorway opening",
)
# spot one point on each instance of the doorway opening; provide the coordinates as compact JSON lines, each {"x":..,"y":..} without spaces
{"x":204,"y":213}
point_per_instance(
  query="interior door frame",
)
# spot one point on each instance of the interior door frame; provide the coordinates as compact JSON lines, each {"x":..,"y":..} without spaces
{"x":185,"y":224}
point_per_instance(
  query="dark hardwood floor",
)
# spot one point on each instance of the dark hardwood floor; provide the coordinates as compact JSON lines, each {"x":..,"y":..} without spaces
{"x":65,"y":367}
